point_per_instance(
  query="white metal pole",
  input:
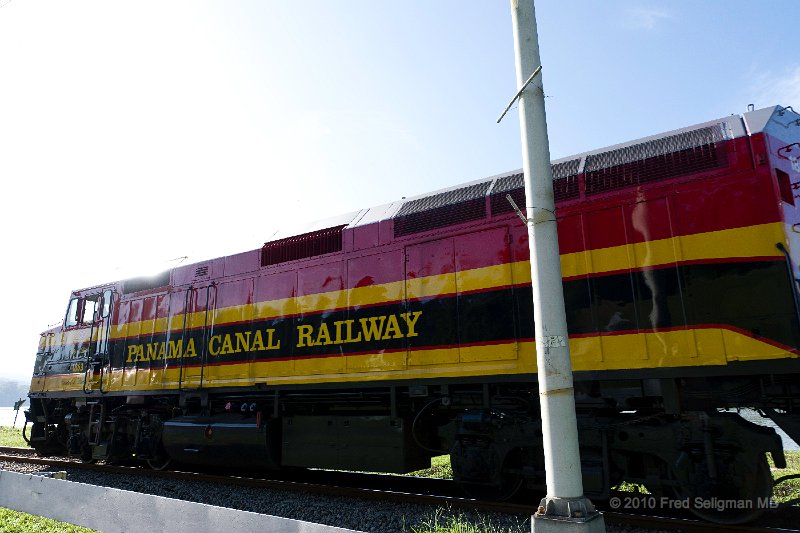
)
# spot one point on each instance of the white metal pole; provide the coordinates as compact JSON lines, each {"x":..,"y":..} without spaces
{"x":559,"y":426}
{"x":554,"y":367}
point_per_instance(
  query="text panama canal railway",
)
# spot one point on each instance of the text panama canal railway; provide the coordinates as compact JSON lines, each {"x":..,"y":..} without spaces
{"x":400,"y":332}
{"x":383,"y":327}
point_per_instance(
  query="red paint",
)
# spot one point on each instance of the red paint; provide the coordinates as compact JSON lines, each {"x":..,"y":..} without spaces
{"x":742,"y":194}
{"x":276,"y":286}
{"x":482,"y":248}
{"x":375,"y":269}
{"x":430,"y":258}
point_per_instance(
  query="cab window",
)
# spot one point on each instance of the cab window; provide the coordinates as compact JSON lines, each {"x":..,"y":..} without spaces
{"x":72,"y":313}
{"x":89,"y":310}
{"x":83,"y":311}
{"x":106,"y":303}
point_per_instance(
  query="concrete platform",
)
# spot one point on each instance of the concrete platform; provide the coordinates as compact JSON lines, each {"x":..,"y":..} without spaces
{"x":114,"y":510}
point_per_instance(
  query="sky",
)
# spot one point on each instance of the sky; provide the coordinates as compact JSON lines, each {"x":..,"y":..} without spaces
{"x":134,"y":134}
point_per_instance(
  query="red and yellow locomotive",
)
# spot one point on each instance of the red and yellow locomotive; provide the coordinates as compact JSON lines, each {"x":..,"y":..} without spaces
{"x":399,"y":332}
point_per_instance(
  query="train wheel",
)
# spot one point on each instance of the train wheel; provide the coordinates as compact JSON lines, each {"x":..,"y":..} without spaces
{"x":159,"y":463}
{"x":739,"y":494}
{"x":86,"y":455}
{"x":509,"y":485}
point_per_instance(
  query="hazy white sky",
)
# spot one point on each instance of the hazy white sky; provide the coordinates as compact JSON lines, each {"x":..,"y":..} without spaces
{"x":132,"y":133}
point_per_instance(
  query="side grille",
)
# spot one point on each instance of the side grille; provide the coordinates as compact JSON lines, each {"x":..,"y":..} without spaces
{"x":302,"y":246}
{"x":668,"y":157}
{"x":444,"y":209}
{"x":565,"y":187}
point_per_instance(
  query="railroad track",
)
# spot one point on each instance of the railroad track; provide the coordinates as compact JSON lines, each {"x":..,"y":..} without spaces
{"x":422,"y":491}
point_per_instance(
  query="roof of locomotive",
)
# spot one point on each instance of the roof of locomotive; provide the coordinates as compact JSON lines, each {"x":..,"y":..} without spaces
{"x":731,"y":127}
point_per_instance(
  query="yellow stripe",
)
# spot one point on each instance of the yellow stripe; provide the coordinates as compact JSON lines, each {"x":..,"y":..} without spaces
{"x":752,"y":241}
{"x":670,"y":349}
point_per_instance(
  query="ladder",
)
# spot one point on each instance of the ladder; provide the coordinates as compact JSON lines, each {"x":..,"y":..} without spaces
{"x":96,"y":420}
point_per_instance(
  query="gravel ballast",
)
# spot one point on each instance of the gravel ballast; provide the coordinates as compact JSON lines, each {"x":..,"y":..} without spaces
{"x":351,"y":513}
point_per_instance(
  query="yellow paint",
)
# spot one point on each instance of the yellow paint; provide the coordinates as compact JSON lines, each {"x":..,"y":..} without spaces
{"x":433,"y":357}
{"x":429,"y":286}
{"x":669,"y":349}
{"x":679,"y":348}
{"x":750,"y":241}
{"x":485,"y":278}
{"x":376,"y":362}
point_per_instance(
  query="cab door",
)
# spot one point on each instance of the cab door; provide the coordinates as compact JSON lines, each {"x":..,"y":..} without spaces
{"x":93,"y":330}
{"x":198,"y":327}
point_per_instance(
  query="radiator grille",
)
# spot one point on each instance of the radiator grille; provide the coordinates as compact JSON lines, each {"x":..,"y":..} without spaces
{"x":565,"y":187}
{"x":302,"y":246}
{"x":668,"y":157}
{"x":444,"y":209}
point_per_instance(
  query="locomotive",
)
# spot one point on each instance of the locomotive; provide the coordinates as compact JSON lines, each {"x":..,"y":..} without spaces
{"x":384,"y":337}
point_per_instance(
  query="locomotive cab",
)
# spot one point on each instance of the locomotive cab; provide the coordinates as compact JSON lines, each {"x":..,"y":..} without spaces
{"x":74,"y":351}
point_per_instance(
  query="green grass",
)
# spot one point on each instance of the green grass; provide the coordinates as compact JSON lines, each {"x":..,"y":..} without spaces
{"x":12,"y":436}
{"x":631,"y":487}
{"x":16,"y":522}
{"x":785,"y":491}
{"x":440,"y":467}
{"x":442,"y":521}
{"x":790,"y":489}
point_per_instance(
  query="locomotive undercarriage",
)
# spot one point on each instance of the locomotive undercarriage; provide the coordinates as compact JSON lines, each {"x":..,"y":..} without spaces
{"x":680,"y":439}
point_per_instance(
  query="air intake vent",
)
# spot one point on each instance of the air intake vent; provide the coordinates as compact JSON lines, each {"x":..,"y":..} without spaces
{"x":444,"y":209}
{"x":302,"y":246}
{"x":565,"y":187}
{"x":201,"y":272}
{"x":667,"y":157}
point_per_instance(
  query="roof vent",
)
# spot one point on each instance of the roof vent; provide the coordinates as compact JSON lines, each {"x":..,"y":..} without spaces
{"x":667,"y":157}
{"x":443,"y":209}
{"x":565,"y":186}
{"x":302,"y":246}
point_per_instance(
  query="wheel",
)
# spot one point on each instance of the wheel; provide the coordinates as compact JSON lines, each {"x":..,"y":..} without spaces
{"x":509,"y":482}
{"x":739,"y":494}
{"x":86,"y":455}
{"x":159,"y":463}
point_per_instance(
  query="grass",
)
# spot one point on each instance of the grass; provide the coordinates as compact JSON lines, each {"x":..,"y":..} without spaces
{"x":440,"y":467}
{"x":442,"y":521}
{"x":631,"y":487}
{"x":12,"y":436}
{"x":16,"y":522}
{"x":784,"y":491}
{"x":790,"y":489}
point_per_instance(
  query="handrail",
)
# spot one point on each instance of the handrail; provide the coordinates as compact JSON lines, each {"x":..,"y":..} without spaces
{"x":88,"y":368}
{"x":104,"y":352}
{"x":183,"y":334}
{"x":204,"y":352}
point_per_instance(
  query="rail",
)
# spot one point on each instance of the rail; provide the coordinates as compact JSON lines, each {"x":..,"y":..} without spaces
{"x":384,"y":487}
